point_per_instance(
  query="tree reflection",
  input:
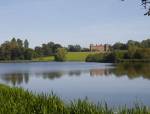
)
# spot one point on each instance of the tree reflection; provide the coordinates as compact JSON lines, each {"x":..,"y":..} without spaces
{"x":132,"y":70}
{"x":75,"y":73}
{"x":100,"y":72}
{"x":50,"y":75}
{"x":15,"y":78}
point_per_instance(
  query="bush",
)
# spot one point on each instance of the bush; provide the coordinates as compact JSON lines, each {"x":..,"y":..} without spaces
{"x":142,"y":53}
{"x":107,"y":57}
{"x":98,"y":57}
{"x":60,"y":54}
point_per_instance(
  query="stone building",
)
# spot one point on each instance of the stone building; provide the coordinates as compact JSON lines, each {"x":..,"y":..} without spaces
{"x":99,"y":48}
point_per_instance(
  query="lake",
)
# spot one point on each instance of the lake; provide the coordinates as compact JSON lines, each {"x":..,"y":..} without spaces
{"x":116,"y":84}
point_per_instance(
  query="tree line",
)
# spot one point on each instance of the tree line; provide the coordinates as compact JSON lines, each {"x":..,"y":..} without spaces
{"x":17,"y":49}
{"x":131,"y":43}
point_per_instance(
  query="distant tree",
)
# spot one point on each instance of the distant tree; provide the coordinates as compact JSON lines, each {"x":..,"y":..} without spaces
{"x":74,"y":48}
{"x":47,"y":49}
{"x":20,"y":43}
{"x":38,"y":51}
{"x":26,"y":44}
{"x":55,"y":47}
{"x":14,"y":50}
{"x":142,"y":53}
{"x":145,"y":43}
{"x":119,"y":46}
{"x":85,"y":49}
{"x":13,"y":40}
{"x":131,"y":43}
{"x":60,"y":54}
{"x":131,"y":51}
{"x":28,"y":54}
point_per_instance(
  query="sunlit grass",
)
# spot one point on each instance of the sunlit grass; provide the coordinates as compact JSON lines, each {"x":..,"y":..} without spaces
{"x":18,"y":101}
{"x":71,"y":56}
{"x":49,"y":58}
{"x":77,"y":56}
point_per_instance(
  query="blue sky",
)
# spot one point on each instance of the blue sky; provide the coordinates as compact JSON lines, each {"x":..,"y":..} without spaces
{"x":73,"y":21}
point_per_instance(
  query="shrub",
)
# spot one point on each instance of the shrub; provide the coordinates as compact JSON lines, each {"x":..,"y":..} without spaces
{"x":98,"y":57}
{"x":60,"y":54}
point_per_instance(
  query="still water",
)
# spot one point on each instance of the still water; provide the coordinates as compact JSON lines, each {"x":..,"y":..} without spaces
{"x":116,"y":84}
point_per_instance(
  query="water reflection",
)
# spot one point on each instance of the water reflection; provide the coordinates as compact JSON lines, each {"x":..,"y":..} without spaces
{"x":15,"y":78}
{"x":132,"y":71}
{"x":100,"y":72}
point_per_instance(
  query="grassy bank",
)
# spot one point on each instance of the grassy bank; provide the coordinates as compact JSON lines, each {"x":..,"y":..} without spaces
{"x":133,"y":60}
{"x":49,"y":58}
{"x":77,"y":56}
{"x":18,"y":101}
{"x":71,"y":56}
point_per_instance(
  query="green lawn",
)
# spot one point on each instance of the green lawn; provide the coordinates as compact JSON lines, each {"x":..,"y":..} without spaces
{"x":49,"y":58}
{"x":71,"y":56}
{"x":77,"y":56}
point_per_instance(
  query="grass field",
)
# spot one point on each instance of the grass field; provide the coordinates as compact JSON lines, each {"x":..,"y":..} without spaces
{"x":19,"y":101}
{"x":77,"y":56}
{"x":49,"y":58}
{"x":71,"y":56}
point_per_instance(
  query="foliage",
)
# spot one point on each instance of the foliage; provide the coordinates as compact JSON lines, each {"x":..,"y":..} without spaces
{"x":28,"y":54}
{"x":132,"y":70}
{"x":119,"y":46}
{"x":145,"y":43}
{"x":142,"y":53}
{"x":97,"y":57}
{"x":60,"y":54}
{"x":47,"y":49}
{"x":15,"y":50}
{"x":74,"y":48}
{"x":131,"y":43}
{"x":26,"y":44}
{"x":85,"y":50}
{"x":18,"y":101}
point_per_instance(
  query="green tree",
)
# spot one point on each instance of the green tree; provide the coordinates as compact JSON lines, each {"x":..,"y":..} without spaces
{"x":74,"y":48}
{"x":20,"y":43}
{"x":145,"y":43}
{"x":28,"y":54}
{"x":119,"y":46}
{"x":60,"y":54}
{"x":132,"y":51}
{"x":26,"y":44}
{"x":38,"y":51}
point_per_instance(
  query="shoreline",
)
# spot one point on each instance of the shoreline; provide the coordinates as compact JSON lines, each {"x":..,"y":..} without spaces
{"x":22,"y":101}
